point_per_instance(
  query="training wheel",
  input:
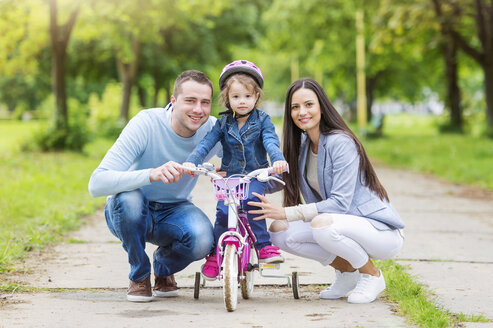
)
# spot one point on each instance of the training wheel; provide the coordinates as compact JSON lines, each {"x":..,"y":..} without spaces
{"x":196,"y":289}
{"x":296,"y":285}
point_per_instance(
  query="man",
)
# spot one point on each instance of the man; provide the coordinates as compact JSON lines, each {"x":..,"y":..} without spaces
{"x":150,"y":201}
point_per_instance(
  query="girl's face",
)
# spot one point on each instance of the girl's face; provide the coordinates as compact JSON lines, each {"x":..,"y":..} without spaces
{"x":241,"y":99}
{"x":305,"y":110}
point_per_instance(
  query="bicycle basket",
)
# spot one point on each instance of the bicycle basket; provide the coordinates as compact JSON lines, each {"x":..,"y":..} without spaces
{"x":236,"y":187}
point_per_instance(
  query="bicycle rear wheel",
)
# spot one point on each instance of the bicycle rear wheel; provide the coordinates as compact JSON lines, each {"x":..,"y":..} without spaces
{"x":230,"y":281}
{"x":247,"y":284}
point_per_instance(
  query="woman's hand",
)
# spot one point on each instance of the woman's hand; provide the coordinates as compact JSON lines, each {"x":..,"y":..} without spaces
{"x":267,"y":209}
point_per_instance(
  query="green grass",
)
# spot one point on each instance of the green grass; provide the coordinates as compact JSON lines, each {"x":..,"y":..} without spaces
{"x":12,"y":133}
{"x":42,"y":195}
{"x":414,"y":301}
{"x":413,"y":142}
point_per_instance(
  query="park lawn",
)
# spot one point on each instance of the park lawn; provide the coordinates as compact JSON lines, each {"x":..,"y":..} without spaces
{"x":413,"y":142}
{"x":12,"y":133}
{"x":42,"y":195}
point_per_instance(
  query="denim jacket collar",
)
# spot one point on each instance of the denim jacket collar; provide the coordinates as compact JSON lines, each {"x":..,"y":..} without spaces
{"x":232,"y":124}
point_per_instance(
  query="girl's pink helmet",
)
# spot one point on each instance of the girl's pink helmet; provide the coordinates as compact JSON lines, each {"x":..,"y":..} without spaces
{"x":241,"y":66}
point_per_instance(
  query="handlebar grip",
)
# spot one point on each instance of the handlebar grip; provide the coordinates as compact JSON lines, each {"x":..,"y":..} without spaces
{"x":271,"y":170}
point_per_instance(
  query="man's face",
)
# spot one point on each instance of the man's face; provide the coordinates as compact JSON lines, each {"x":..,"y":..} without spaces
{"x":191,"y":108}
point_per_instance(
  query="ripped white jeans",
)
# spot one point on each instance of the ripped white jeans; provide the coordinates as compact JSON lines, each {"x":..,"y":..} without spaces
{"x":350,"y":237}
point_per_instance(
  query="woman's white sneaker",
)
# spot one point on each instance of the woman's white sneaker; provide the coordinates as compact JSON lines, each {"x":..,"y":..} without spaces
{"x":343,"y":284}
{"x":367,"y":289}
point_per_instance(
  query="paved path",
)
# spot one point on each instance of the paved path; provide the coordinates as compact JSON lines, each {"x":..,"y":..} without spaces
{"x":448,"y":247}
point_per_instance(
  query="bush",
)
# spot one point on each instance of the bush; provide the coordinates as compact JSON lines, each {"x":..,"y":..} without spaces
{"x":104,"y":117}
{"x":73,"y":138}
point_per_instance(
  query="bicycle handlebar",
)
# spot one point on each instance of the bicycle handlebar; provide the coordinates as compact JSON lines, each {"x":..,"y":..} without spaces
{"x":262,"y":175}
{"x":203,"y":169}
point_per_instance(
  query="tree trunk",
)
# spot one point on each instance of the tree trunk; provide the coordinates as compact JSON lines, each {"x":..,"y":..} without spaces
{"x":167,"y":88}
{"x":488,"y":89}
{"x":155,"y":97}
{"x":58,"y":86}
{"x":157,"y":87}
{"x":453,"y":100}
{"x":370,"y":87}
{"x":60,"y":36}
{"x":142,"y":97}
{"x":128,"y":74}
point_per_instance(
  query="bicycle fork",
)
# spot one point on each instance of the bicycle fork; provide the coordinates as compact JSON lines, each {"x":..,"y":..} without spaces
{"x":236,"y":219}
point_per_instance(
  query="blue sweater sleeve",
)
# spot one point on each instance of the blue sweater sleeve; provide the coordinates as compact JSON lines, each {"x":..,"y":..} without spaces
{"x":113,"y":175}
{"x":204,"y":147}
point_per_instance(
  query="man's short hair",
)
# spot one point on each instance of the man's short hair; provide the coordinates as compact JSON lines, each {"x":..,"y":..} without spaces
{"x":193,"y":75}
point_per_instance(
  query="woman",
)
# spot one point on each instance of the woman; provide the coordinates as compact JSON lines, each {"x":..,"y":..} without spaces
{"x":347,"y":218}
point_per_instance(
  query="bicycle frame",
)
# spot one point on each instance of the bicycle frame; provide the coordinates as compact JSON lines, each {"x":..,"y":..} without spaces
{"x":239,"y":231}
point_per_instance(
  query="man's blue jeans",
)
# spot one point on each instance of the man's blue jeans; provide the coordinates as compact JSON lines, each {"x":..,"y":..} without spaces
{"x":181,"y":230}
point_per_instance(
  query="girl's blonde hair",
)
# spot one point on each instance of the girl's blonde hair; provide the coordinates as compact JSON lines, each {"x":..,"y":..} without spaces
{"x":246,"y":80}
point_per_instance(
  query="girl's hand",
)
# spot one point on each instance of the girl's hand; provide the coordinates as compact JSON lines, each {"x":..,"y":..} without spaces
{"x":267,"y":209}
{"x":190,"y":165}
{"x":280,"y":167}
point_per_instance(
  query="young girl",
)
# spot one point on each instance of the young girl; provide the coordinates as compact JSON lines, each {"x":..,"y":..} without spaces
{"x":347,"y":218}
{"x":246,"y":135}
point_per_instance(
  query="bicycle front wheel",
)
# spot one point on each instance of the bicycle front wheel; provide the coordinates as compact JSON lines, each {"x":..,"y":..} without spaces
{"x":230,"y":281}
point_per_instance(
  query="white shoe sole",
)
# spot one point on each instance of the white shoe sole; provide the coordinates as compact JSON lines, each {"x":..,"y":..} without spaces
{"x":173,"y":293}
{"x":140,"y":299}
{"x":208,"y":278}
{"x":331,"y":297}
{"x":275,"y":259}
{"x":361,"y":300}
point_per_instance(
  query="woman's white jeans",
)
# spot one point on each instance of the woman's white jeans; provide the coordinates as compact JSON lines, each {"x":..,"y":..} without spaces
{"x":350,"y":237}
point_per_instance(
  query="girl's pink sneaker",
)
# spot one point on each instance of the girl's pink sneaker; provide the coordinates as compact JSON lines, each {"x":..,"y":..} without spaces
{"x":270,"y":254}
{"x":210,"y":270}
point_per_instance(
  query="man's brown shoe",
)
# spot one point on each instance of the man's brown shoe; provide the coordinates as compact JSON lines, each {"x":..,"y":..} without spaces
{"x":165,"y":287}
{"x":140,"y":291}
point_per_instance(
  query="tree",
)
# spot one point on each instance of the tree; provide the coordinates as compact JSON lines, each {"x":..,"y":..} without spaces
{"x":23,"y":52}
{"x":137,"y":29}
{"x":450,"y":49}
{"x":60,"y":36}
{"x":474,"y":35}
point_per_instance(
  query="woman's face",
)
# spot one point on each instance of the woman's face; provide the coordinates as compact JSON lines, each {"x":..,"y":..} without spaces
{"x":305,"y":109}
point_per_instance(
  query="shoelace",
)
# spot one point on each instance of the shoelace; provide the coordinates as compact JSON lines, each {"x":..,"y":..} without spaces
{"x":211,"y":261}
{"x":271,"y":250}
{"x":361,"y":285}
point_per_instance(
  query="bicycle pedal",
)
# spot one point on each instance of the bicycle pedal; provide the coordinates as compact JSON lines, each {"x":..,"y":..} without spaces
{"x":271,"y":266}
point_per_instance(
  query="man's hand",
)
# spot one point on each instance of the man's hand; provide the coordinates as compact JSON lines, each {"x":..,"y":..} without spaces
{"x":192,"y":166}
{"x":280,"y":167}
{"x":167,"y":173}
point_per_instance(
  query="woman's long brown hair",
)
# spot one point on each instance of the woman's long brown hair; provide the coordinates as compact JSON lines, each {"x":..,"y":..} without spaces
{"x":330,"y":122}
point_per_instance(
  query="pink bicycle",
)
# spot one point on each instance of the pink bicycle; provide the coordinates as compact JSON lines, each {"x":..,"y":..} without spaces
{"x":236,"y":255}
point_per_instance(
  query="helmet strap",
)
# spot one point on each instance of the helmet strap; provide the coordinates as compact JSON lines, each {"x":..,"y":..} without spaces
{"x":235,"y":115}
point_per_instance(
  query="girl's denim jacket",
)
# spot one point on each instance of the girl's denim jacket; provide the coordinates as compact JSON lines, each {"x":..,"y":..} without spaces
{"x":245,"y":150}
